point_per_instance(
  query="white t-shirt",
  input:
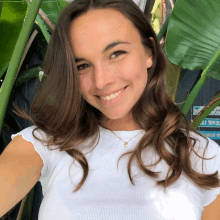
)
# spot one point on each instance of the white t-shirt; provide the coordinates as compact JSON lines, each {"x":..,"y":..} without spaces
{"x":108,"y":194}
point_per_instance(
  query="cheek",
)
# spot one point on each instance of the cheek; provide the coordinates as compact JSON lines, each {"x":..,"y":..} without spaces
{"x":85,"y":85}
{"x":133,"y":69}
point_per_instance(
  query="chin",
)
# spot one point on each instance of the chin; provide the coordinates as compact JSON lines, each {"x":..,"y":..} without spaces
{"x":116,"y":116}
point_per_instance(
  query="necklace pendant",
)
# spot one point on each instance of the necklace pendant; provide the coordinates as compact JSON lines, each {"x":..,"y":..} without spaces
{"x":126,"y":144}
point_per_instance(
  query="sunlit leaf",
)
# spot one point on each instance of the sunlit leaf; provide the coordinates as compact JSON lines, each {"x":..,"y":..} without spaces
{"x":0,"y":8}
{"x":11,"y":21}
{"x":156,"y":16}
{"x":156,"y":5}
{"x":193,"y":35}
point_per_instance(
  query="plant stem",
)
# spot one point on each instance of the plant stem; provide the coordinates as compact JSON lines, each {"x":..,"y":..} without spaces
{"x":43,"y":28}
{"x":27,"y":47}
{"x":206,"y":111}
{"x":26,"y":205}
{"x":163,"y":11}
{"x":171,"y":3}
{"x":40,"y":23}
{"x":163,"y":29}
{"x":190,"y":99}
{"x":16,"y":57}
{"x":3,"y":71}
{"x":46,"y":19}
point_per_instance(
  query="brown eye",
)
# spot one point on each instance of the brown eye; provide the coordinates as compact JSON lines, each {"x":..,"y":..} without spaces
{"x":118,"y":52}
{"x":79,"y":67}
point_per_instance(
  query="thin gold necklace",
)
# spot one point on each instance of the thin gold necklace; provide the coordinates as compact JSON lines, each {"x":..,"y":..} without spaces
{"x":126,"y":143}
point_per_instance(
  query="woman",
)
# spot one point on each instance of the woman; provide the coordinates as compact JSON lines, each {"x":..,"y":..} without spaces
{"x":107,"y":141}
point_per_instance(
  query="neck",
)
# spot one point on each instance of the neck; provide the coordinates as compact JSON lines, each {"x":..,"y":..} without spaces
{"x":120,"y":125}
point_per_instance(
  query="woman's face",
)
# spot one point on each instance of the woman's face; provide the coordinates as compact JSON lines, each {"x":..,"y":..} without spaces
{"x":109,"y":57}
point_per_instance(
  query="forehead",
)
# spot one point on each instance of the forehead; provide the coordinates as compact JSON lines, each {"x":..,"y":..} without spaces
{"x":95,"y":29}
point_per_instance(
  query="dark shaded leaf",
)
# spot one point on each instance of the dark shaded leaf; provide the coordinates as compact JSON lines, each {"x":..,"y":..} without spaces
{"x":53,"y":8}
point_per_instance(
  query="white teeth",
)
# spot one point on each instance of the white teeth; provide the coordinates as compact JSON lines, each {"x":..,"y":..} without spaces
{"x":112,"y":96}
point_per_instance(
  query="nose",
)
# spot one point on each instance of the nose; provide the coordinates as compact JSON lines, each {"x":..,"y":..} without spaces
{"x":102,"y":77}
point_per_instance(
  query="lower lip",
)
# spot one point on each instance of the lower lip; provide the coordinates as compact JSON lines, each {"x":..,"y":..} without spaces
{"x":113,"y":101}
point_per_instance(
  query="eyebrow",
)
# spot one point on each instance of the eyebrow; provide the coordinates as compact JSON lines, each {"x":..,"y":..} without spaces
{"x":110,"y":46}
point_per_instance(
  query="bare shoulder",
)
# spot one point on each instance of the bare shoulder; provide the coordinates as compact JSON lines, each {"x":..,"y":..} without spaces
{"x":21,"y":147}
{"x":20,"y":169}
{"x":212,"y":211}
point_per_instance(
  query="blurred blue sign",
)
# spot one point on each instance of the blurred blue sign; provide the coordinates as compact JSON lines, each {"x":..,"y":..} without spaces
{"x":210,"y":127}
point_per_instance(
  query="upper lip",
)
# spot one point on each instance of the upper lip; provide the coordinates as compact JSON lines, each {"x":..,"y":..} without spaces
{"x":109,"y":93}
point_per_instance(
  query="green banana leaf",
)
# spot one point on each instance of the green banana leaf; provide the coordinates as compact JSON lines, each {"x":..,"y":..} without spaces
{"x":12,"y":16}
{"x":172,"y":79}
{"x":53,"y":8}
{"x":193,"y":35}
{"x":0,"y":8}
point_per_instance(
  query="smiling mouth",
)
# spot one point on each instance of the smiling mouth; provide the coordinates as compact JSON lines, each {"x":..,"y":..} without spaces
{"x":100,"y":98}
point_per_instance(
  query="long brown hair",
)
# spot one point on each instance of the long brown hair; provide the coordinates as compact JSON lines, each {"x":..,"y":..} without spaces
{"x":60,"y":111}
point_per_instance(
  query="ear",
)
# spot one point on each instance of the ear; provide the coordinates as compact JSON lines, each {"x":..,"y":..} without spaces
{"x":149,"y":61}
{"x":149,"y":55}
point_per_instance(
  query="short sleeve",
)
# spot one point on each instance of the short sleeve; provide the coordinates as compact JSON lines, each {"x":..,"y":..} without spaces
{"x":210,"y":166}
{"x":40,"y":148}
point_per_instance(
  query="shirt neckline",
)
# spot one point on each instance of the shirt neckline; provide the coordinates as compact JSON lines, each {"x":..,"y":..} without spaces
{"x":122,"y":134}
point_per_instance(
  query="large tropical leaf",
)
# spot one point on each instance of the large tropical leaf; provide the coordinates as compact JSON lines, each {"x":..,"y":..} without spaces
{"x":11,"y":21}
{"x":172,"y":79}
{"x":193,"y":35}
{"x":0,"y":8}
{"x":156,"y":16}
{"x":53,"y":8}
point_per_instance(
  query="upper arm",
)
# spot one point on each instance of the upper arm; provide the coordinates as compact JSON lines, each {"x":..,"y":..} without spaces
{"x":212,"y":211}
{"x":20,"y":169}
